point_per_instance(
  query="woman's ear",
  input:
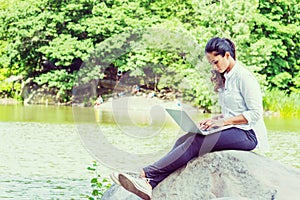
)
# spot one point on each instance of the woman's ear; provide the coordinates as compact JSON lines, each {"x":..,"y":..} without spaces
{"x":227,"y":54}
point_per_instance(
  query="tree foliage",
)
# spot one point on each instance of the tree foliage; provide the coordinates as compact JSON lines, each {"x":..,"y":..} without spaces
{"x":43,"y":39}
{"x":277,"y":28}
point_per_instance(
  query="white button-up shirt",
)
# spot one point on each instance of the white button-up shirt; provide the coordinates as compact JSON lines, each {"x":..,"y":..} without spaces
{"x":242,"y":95}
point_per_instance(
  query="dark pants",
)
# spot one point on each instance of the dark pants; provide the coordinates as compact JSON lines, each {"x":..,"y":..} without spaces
{"x":192,"y":145}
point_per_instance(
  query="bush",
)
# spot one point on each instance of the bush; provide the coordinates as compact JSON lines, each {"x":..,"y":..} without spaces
{"x":98,"y":184}
{"x":285,"y":105}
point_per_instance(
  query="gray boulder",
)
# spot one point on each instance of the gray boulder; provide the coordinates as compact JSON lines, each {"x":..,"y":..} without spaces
{"x":116,"y":192}
{"x":226,"y":175}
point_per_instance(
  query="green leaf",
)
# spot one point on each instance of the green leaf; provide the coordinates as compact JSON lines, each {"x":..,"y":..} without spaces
{"x":94,"y":180}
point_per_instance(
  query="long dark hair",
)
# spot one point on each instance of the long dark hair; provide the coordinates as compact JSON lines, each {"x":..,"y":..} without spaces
{"x":220,"y":46}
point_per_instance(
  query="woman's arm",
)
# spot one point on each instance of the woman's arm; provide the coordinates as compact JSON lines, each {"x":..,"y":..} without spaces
{"x":239,"y":119}
{"x":217,"y":122}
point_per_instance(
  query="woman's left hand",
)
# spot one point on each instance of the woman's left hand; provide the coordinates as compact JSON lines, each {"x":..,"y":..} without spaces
{"x":211,"y":123}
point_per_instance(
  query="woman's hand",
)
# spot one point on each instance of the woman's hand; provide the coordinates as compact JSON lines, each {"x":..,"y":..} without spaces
{"x":219,"y":121}
{"x":207,"y":124}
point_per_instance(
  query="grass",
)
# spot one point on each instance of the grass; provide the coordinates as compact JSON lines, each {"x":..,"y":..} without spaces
{"x":287,"y":106}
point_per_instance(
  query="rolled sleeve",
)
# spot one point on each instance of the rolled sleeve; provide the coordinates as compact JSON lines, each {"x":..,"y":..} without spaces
{"x":251,"y":93}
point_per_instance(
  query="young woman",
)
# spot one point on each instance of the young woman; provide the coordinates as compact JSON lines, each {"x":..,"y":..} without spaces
{"x":241,"y":103}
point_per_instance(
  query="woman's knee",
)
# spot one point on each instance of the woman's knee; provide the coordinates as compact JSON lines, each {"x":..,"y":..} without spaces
{"x":183,"y":138}
{"x":194,"y":143}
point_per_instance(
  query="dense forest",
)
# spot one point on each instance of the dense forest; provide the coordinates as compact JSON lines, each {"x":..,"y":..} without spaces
{"x":156,"y":44}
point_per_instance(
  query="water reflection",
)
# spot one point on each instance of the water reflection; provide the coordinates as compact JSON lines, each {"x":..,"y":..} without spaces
{"x":44,"y":114}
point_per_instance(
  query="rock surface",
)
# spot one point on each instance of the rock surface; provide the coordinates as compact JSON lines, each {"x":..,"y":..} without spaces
{"x":234,"y":175}
{"x":40,"y":95}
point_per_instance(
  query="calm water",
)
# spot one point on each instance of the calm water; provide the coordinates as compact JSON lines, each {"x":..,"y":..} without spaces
{"x":42,"y":155}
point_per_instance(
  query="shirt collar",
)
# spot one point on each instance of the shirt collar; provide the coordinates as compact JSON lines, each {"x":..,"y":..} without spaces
{"x":227,"y":75}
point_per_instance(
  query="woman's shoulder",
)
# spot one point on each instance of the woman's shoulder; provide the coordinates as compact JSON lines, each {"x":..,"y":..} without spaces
{"x":245,"y":76}
{"x":244,"y":71}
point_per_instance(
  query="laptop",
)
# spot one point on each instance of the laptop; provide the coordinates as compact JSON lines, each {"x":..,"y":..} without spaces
{"x":188,"y":125}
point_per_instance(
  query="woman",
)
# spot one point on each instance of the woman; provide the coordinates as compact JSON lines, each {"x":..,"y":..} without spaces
{"x":241,"y":102}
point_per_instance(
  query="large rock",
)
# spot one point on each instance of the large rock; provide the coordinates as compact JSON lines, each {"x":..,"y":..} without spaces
{"x":33,"y":94}
{"x":234,"y":175}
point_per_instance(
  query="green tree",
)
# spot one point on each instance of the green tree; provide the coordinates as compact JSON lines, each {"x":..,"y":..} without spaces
{"x":174,"y":33}
{"x":276,"y":29}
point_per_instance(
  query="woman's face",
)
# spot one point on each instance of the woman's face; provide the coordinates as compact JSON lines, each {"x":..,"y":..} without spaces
{"x":219,"y":63}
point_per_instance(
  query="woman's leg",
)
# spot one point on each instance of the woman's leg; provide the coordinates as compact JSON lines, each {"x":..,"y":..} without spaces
{"x":236,"y":139}
{"x":182,"y":139}
{"x":178,"y":142}
{"x":185,"y":149}
{"x":192,"y":145}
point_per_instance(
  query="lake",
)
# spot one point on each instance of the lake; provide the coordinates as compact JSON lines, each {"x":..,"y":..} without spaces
{"x":45,"y":150}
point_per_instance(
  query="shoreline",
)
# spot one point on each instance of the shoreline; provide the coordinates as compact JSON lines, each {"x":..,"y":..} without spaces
{"x":108,"y":103}
{"x":9,"y":101}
